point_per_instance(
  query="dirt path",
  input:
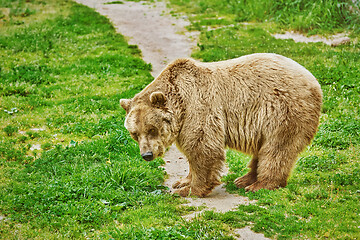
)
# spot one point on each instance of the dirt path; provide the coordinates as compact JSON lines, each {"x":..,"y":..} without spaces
{"x":334,"y":40}
{"x":160,"y":37}
{"x":163,"y":38}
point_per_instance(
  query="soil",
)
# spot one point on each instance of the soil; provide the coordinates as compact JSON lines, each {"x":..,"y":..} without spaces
{"x":163,"y":38}
{"x":334,"y":40}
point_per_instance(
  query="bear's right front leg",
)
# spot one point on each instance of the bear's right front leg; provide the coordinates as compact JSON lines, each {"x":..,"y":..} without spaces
{"x":183,"y":182}
{"x":200,"y":188}
{"x":205,"y":172}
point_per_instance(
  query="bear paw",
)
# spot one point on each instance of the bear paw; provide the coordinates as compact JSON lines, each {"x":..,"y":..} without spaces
{"x":184,"y":191}
{"x":188,"y":191}
{"x":244,"y":181}
{"x":182,"y":183}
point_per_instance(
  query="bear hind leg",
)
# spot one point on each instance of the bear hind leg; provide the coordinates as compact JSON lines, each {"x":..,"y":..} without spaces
{"x":250,"y":177}
{"x":274,"y":167}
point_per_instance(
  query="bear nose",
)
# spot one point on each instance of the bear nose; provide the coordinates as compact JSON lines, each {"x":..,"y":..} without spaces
{"x":148,"y":156}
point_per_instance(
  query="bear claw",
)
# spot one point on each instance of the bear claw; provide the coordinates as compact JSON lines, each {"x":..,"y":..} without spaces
{"x":188,"y":191}
{"x":184,"y":191}
{"x":244,"y":181}
{"x":181,"y":183}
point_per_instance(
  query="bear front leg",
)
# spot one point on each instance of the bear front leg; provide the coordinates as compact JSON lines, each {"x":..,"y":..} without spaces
{"x":183,"y":182}
{"x":250,"y":177}
{"x":205,"y":171}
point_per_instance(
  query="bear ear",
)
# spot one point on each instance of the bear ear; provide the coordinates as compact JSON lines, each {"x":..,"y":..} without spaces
{"x":158,"y":99}
{"x":125,"y":104}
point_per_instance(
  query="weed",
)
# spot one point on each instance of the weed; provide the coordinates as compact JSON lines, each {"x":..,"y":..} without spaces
{"x":46,"y":146}
{"x":22,"y":139}
{"x":9,"y":153}
{"x":10,"y":130}
{"x":33,"y":134}
{"x":115,"y":2}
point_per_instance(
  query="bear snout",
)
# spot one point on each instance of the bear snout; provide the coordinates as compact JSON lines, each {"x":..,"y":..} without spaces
{"x":148,"y":156}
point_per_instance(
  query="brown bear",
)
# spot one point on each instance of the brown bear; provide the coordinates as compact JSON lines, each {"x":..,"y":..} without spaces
{"x":261,"y":104}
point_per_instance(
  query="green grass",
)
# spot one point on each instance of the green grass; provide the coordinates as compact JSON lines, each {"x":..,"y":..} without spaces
{"x":314,"y":16}
{"x":62,"y":73}
{"x":115,"y":2}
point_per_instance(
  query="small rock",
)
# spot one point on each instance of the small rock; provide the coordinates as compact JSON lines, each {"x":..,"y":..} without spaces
{"x":37,"y":129}
{"x":35,"y":147}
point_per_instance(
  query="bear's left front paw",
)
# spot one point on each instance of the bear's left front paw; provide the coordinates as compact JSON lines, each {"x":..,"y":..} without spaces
{"x":187,"y":191}
{"x":184,"y":191}
{"x":182,"y":183}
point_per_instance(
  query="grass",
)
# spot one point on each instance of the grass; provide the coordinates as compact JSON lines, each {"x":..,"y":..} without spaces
{"x":68,"y":168}
{"x":325,"y":16}
{"x":115,"y":2}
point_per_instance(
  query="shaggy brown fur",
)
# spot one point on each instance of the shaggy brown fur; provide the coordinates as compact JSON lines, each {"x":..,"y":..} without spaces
{"x":265,"y":105}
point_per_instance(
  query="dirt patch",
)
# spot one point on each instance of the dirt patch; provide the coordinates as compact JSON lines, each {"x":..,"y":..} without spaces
{"x":246,"y":234}
{"x":334,"y":40}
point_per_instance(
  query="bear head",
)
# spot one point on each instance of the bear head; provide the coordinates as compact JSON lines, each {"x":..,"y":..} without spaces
{"x":150,"y":123}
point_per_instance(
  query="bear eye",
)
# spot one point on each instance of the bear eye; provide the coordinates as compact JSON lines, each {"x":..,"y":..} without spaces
{"x":153,"y":132}
{"x":135,"y":136}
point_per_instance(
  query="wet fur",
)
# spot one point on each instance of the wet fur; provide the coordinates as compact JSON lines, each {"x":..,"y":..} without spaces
{"x":265,"y":105}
